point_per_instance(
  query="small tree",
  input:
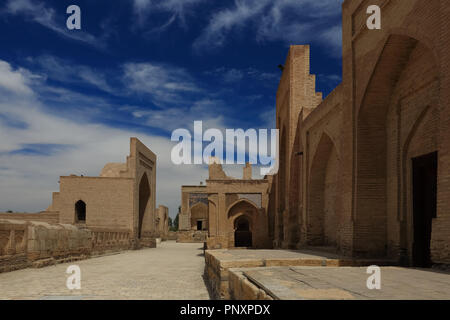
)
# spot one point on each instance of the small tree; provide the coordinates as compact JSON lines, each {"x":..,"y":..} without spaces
{"x":170,"y":222}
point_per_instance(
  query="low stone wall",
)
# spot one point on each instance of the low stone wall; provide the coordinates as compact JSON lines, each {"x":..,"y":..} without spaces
{"x":107,"y":240}
{"x":216,"y":272}
{"x":32,"y":243}
{"x":172,"y":235}
{"x":47,"y":216}
{"x":36,"y":244}
{"x":192,"y":236}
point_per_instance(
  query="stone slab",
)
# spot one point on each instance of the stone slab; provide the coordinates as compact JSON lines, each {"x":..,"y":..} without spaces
{"x":347,"y":283}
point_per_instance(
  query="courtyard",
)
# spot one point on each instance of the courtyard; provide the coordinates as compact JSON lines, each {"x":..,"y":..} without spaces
{"x":172,"y":271}
{"x":175,"y":271}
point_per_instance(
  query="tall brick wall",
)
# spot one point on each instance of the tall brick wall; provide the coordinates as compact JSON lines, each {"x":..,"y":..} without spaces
{"x":392,"y":106}
{"x":109,"y":201}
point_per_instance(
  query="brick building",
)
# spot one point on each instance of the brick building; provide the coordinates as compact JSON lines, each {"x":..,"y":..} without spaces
{"x":231,"y":212}
{"x":120,"y":201}
{"x":366,"y":171}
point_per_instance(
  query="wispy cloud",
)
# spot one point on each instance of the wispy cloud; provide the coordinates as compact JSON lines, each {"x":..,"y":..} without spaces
{"x":15,"y":81}
{"x":207,"y":110}
{"x":69,"y":72}
{"x":231,"y":75}
{"x":38,"y":12}
{"x":176,"y":9}
{"x":289,"y":21}
{"x":162,"y":83}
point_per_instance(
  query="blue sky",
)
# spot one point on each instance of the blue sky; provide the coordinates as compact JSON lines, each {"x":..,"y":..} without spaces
{"x":70,"y":100}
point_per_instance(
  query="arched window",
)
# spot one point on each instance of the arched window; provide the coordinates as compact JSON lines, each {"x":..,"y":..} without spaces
{"x":80,"y":211}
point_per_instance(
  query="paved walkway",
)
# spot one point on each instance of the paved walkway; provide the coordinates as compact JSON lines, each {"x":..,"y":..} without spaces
{"x":171,"y":271}
{"x":299,"y":283}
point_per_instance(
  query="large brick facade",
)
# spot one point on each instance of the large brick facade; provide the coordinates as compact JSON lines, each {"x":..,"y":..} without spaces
{"x":350,"y":166}
{"x":232,"y":211}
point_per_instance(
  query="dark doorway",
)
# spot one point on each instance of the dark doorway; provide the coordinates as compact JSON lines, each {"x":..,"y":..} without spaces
{"x":242,"y":234}
{"x":144,"y":197}
{"x":199,"y":225}
{"x":80,"y":211}
{"x":424,"y":206}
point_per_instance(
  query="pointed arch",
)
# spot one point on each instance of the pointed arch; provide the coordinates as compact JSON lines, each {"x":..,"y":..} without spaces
{"x":144,"y":199}
{"x":373,"y":131}
{"x":240,"y":203}
{"x":199,"y":216}
{"x":322,"y":220}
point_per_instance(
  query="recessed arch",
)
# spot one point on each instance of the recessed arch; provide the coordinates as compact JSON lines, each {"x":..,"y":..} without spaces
{"x":322,"y":220}
{"x":241,"y":203}
{"x":379,"y":135}
{"x":144,"y":199}
{"x":199,"y":216}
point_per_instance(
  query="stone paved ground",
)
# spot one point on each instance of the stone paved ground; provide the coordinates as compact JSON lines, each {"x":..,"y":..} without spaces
{"x":171,"y":271}
{"x":342,"y":283}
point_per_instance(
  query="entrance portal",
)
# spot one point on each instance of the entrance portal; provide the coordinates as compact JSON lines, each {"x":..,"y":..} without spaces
{"x":242,"y":234}
{"x":424,"y":206}
{"x":144,"y":197}
{"x":199,"y":225}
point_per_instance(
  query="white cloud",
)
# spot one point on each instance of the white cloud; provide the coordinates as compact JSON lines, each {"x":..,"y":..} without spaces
{"x":206,"y":110}
{"x":177,"y":10}
{"x":230,"y":75}
{"x":38,"y":12}
{"x":290,"y":21}
{"x":68,"y":72}
{"x":14,"y":80}
{"x":163,"y":83}
{"x":28,"y":179}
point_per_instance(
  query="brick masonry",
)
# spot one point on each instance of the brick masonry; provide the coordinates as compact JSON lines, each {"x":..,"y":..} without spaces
{"x":351,"y":186}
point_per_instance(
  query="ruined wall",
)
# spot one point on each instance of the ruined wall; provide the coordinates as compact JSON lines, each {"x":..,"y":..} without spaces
{"x":50,"y":217}
{"x":26,"y":244}
{"x":162,"y":222}
{"x":35,"y":244}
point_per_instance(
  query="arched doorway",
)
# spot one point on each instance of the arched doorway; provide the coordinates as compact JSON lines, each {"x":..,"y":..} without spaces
{"x":242,"y":233}
{"x":80,"y":211}
{"x":243,"y":217}
{"x":144,"y":198}
{"x":199,"y":216}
